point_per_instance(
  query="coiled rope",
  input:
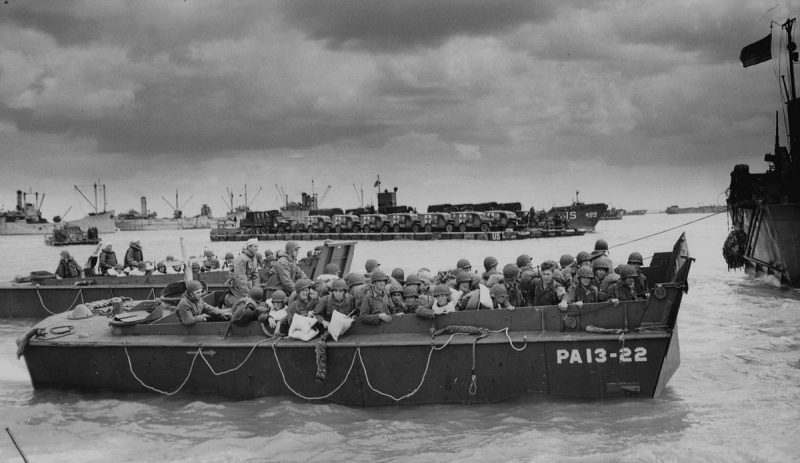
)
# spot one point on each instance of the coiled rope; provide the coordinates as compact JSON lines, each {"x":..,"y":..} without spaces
{"x":41,"y":301}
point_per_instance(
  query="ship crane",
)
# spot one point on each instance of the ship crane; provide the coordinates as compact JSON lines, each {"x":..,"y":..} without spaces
{"x":177,"y":209}
{"x":324,"y":195}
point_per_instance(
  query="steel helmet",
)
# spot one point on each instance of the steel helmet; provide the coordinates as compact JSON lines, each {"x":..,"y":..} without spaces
{"x":331,"y":269}
{"x":354,"y":279}
{"x":602,"y":262}
{"x":269,"y":257}
{"x":463,"y":264}
{"x":628,"y":271}
{"x":464,"y":277}
{"x":255,"y":293}
{"x":193,"y":285}
{"x":395,"y":288}
{"x":281,"y":253}
{"x":302,"y":284}
{"x":170,"y":258}
{"x":371,"y":265}
{"x":583,"y":256}
{"x":377,"y":275}
{"x":498,"y":290}
{"x":584,"y":272}
{"x":511,"y":272}
{"x":523,"y":260}
{"x":601,"y":245}
{"x":291,"y":246}
{"x":279,"y":296}
{"x":228,"y":255}
{"x":413,"y":280}
{"x":399,"y":275}
{"x":441,"y":290}
{"x":410,"y":291}
{"x":489,"y":263}
{"x":635,"y":258}
{"x":566,"y":260}
{"x":339,"y":284}
{"x":195,"y":265}
{"x":208,"y":253}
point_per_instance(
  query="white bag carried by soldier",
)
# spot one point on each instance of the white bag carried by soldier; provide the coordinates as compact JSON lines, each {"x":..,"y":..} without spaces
{"x":302,"y":328}
{"x":339,"y":324}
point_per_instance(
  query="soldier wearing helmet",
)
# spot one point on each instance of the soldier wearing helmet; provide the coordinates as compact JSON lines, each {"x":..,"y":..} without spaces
{"x":625,"y":288}
{"x":304,"y":302}
{"x":584,"y":259}
{"x":285,"y":272}
{"x":499,"y":296}
{"x":339,"y":300}
{"x":376,"y":306}
{"x":545,"y":290}
{"x":490,"y":264}
{"x":396,"y":298}
{"x":600,"y":267}
{"x":227,"y":264}
{"x":464,"y":265}
{"x":249,"y":308}
{"x":134,"y":255}
{"x":635,"y":260}
{"x":107,"y":260}
{"x":583,"y":289}
{"x":442,"y":300}
{"x":245,"y":273}
{"x":411,"y":302}
{"x":193,"y":309}
{"x":357,"y":287}
{"x":67,"y":267}
{"x":370,"y":266}
{"x":514,"y":293}
{"x":600,"y":248}
{"x":526,"y":276}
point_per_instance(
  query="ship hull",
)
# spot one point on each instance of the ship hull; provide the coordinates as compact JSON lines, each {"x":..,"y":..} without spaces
{"x":773,"y":238}
{"x":582,"y":216}
{"x":24,"y":228}
{"x":695,"y":210}
{"x":164,"y":224}
{"x":102,"y":221}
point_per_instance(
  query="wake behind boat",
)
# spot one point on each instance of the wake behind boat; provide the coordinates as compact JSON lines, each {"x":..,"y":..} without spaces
{"x":599,"y":350}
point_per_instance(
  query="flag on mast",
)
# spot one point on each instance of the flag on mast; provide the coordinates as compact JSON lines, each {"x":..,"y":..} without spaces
{"x":757,"y":52}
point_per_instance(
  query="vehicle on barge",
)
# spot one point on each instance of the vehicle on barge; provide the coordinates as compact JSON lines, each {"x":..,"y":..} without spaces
{"x":598,"y":351}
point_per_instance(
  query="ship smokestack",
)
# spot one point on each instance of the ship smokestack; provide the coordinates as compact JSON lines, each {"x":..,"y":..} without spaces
{"x":144,"y":206}
{"x":19,"y":200}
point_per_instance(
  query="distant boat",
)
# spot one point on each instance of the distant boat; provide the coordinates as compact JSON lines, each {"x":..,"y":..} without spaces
{"x":581,"y":216}
{"x":148,"y":221}
{"x":26,"y":218}
{"x":613,"y":214}
{"x":72,"y":235}
{"x":695,"y":210}
{"x":636,"y":212}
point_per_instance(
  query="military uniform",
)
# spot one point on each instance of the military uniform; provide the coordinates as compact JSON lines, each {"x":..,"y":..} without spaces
{"x":245,"y":274}
{"x":188,"y":310}
{"x":68,"y":268}
{"x":327,"y":305}
{"x":133,"y":256}
{"x":374,"y":303}
{"x":542,"y":294}
{"x":107,"y":261}
{"x":577,"y":292}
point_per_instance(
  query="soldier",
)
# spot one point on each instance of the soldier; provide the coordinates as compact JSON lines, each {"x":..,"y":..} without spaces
{"x":546,"y":291}
{"x":338,"y":300}
{"x":584,"y":259}
{"x":67,"y":267}
{"x":107,"y":260}
{"x":625,"y":288}
{"x":193,"y":309}
{"x":635,"y":260}
{"x":442,"y":300}
{"x":410,"y":301}
{"x":526,"y":276}
{"x":514,"y":293}
{"x":161,"y":268}
{"x":285,"y":271}
{"x":583,"y":289}
{"x":396,"y":298}
{"x":245,"y":273}
{"x":499,"y":297}
{"x":173,"y":267}
{"x":358,"y":287}
{"x":424,"y":299}
{"x":464,"y":265}
{"x":600,"y":268}
{"x":600,"y":249}
{"x":399,"y":276}
{"x":134,"y":255}
{"x":566,"y":261}
{"x":376,"y":306}
{"x":227,"y":265}
{"x":370,"y":266}
{"x":304,"y":303}
{"x":249,"y":308}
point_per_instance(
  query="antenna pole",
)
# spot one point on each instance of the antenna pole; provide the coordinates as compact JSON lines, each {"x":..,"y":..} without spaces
{"x":792,"y":47}
{"x":95,"y":197}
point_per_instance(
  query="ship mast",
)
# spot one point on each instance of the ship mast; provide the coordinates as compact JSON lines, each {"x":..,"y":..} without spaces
{"x":792,"y":47}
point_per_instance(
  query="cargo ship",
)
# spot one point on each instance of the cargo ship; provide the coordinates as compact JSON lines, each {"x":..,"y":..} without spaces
{"x":26,"y":218}
{"x":579,"y":215}
{"x":149,"y":221}
{"x":764,"y":207}
{"x":614,"y":214}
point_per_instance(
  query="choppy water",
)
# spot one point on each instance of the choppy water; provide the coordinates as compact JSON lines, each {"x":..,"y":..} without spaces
{"x":735,"y":397}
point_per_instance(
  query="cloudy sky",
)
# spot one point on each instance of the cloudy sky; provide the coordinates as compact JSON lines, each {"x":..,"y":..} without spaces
{"x":640,"y":104}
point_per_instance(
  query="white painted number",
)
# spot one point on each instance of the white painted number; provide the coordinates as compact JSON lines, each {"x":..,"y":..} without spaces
{"x":600,"y":355}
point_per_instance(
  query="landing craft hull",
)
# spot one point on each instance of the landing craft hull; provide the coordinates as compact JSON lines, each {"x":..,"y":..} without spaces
{"x":773,"y":238}
{"x":530,"y":349}
{"x":582,"y":216}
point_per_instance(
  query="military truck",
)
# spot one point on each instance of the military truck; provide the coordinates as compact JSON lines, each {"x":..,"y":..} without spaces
{"x":372,"y":223}
{"x":317,"y":224}
{"x":502,"y":220}
{"x":471,"y":221}
{"x":346,"y":223}
{"x":436,"y":221}
{"x":404,"y":222}
{"x":264,"y":222}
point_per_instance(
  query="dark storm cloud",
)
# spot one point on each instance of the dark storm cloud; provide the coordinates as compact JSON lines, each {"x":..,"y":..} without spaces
{"x":399,"y":25}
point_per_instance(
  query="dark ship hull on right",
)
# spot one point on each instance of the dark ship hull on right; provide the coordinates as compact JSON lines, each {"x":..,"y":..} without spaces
{"x":765,"y":208}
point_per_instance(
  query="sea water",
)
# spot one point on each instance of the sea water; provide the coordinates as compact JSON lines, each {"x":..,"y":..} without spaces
{"x":735,"y":396}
